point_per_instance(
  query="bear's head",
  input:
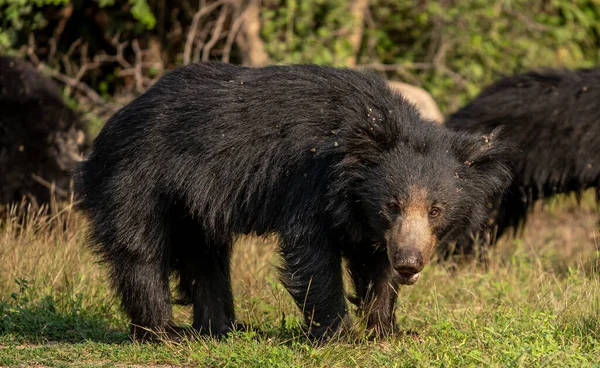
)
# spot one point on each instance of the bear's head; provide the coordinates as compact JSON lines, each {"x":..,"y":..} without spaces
{"x":427,"y":188}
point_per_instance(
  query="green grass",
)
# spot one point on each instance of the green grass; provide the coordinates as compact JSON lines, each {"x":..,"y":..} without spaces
{"x":537,"y":303}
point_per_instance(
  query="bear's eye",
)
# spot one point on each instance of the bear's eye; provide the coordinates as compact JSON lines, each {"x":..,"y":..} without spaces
{"x":394,"y":207}
{"x":434,"y":212}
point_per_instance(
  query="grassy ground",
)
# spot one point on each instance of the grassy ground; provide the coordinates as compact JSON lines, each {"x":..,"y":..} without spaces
{"x":536,"y":304}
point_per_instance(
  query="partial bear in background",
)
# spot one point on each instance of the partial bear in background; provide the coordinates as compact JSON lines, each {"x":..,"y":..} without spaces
{"x":422,"y":100}
{"x":40,"y":137}
{"x":553,"y":117}
{"x":330,"y":160}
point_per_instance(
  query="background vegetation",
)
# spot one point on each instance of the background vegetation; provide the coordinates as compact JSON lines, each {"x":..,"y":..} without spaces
{"x":451,"y":48}
{"x":536,"y":303}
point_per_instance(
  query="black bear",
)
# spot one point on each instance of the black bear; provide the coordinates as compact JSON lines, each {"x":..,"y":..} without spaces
{"x":330,"y":160}
{"x":41,"y":138}
{"x":552,"y":117}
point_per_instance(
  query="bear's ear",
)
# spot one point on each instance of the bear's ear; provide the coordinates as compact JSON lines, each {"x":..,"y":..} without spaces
{"x":486,"y":159}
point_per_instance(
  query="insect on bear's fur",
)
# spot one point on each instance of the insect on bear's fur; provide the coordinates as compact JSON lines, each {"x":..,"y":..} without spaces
{"x":330,"y":160}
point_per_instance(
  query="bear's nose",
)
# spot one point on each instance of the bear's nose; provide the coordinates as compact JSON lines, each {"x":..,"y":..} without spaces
{"x":408,"y":261}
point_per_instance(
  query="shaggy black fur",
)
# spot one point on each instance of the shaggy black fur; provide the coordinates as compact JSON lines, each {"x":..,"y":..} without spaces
{"x":553,"y":117}
{"x":322,"y":157}
{"x":40,"y":137}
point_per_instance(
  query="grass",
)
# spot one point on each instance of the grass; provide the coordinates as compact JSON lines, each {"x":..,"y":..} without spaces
{"x":537,"y":303}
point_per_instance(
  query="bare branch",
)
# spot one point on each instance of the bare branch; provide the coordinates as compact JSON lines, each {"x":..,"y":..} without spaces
{"x":73,"y":83}
{"x":357,"y":10}
{"x":194,"y":28}
{"x":440,"y":55}
{"x":138,"y":66}
{"x":75,"y":43}
{"x":235,"y":28}
{"x":216,"y":33}
{"x":396,"y":67}
{"x":527,"y":21}
{"x":440,"y":64}
{"x":50,"y":186}
{"x":65,"y":14}
{"x":31,"y":50}
{"x":84,"y":61}
{"x":372,"y":41}
{"x":200,"y":41}
{"x":67,"y":57}
{"x":249,"y":40}
{"x":408,"y":76}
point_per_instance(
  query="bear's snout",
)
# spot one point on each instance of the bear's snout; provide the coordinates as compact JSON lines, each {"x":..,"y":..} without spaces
{"x":408,"y":263}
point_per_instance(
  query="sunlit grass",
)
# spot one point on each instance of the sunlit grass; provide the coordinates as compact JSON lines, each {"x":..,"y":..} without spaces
{"x":537,"y":303}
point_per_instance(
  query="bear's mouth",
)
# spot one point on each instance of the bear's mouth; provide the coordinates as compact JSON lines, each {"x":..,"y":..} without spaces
{"x":407,"y":278}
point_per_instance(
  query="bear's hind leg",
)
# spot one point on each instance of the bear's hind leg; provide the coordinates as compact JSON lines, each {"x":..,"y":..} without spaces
{"x":136,"y":246}
{"x":203,"y":266}
{"x":144,"y":289}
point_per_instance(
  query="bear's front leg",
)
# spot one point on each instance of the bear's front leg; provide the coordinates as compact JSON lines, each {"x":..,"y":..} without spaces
{"x":376,"y":289}
{"x":312,"y":274}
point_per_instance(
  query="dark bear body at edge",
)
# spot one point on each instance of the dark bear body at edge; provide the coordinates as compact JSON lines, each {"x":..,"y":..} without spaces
{"x":41,"y":138}
{"x":552,"y":117}
{"x":330,"y":160}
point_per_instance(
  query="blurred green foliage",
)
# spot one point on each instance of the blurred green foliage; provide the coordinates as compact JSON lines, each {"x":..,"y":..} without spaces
{"x":16,"y":15}
{"x":19,"y":18}
{"x":306,"y":31}
{"x":471,"y":43}
{"x":451,"y":48}
{"x":140,"y":10}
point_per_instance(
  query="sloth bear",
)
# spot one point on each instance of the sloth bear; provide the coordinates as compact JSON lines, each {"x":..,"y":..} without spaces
{"x":552,"y":117}
{"x":41,"y":138}
{"x":330,"y":160}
